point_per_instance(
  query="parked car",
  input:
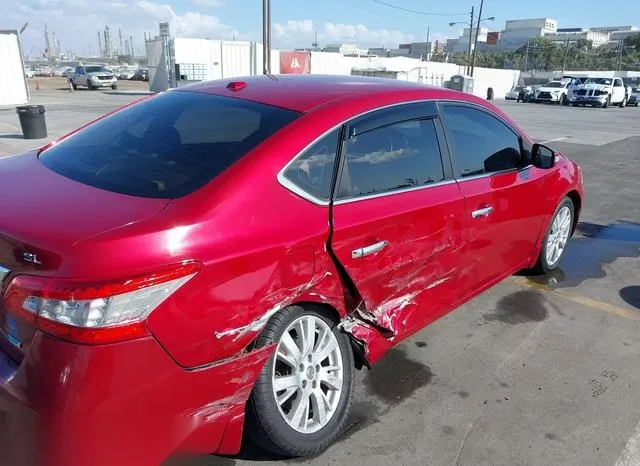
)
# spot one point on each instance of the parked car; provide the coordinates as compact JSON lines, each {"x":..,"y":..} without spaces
{"x":30,"y":73}
{"x":93,"y":77}
{"x":602,"y":92}
{"x":141,"y":75}
{"x":553,"y":92}
{"x":224,"y":256}
{"x":526,"y":94}
{"x":514,"y":93}
{"x":634,"y":99}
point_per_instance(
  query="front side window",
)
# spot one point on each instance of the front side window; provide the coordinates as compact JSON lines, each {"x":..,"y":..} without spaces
{"x":167,"y":146}
{"x":312,"y":171}
{"x":480,"y":142}
{"x":390,"y":158}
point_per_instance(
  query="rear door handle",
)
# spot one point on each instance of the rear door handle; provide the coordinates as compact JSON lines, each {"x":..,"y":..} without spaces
{"x":368,"y":250}
{"x":482,"y":212}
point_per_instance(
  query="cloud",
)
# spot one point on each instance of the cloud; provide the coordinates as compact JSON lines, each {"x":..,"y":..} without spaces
{"x":76,"y":23}
{"x":301,"y":32}
{"x":207,"y":3}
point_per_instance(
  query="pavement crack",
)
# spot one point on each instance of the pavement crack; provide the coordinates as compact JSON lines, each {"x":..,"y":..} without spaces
{"x":464,"y":441}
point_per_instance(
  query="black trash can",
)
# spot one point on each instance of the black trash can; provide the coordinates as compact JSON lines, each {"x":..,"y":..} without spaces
{"x":490,"y":93}
{"x":32,"y":121}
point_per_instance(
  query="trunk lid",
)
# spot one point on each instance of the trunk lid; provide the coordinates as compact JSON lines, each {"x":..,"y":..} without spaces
{"x":43,"y":215}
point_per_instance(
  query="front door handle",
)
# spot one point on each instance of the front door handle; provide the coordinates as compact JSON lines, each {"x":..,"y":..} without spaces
{"x":482,"y":212}
{"x":368,"y":250}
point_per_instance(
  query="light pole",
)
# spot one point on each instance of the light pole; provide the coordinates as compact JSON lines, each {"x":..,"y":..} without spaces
{"x":470,"y":59}
{"x":475,"y":42}
{"x":266,"y":36}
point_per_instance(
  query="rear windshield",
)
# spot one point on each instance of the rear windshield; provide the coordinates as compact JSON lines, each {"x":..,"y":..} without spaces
{"x":96,"y":69}
{"x":167,"y":146}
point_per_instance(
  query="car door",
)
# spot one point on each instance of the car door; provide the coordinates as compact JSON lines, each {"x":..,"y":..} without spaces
{"x":618,"y":91}
{"x":502,"y":192}
{"x":79,"y":75}
{"x":398,"y":217}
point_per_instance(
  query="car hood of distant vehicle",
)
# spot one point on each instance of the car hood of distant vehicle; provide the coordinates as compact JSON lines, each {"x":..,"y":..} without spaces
{"x":593,"y":86}
{"x":549,"y":89}
{"x":50,"y":212}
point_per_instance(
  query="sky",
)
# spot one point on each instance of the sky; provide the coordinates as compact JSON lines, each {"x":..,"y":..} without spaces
{"x":366,"y":23}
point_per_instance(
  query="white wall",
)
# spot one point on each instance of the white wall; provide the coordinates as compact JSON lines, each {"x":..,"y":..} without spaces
{"x":227,"y":59}
{"x":13,"y":85}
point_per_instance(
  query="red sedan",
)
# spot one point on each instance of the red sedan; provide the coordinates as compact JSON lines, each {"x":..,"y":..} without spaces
{"x":224,"y":257}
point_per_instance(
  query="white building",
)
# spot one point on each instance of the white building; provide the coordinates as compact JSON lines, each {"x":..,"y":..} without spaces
{"x":482,"y":34}
{"x":574,"y":34}
{"x":345,"y":49}
{"x":518,"y":32}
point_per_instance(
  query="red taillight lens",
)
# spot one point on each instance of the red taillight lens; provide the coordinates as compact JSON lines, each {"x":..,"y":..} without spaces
{"x":94,"y":312}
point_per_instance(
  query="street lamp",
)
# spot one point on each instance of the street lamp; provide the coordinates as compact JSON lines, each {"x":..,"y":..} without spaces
{"x":471,"y":58}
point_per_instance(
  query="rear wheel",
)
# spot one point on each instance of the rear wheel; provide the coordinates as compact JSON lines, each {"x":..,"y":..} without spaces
{"x":558,"y":234}
{"x":73,"y":85}
{"x":89,"y":85}
{"x":301,"y":401}
{"x":623,"y":104}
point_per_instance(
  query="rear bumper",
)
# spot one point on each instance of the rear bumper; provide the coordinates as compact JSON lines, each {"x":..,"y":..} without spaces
{"x":124,"y":404}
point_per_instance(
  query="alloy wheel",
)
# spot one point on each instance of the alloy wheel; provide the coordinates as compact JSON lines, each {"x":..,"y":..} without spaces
{"x":307,"y":374}
{"x":558,"y":236}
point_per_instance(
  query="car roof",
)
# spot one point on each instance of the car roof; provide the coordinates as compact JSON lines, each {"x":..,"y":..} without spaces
{"x":302,"y":93}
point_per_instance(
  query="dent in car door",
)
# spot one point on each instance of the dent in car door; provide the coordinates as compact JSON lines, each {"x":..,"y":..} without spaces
{"x":503,"y":194}
{"x":398,"y":218}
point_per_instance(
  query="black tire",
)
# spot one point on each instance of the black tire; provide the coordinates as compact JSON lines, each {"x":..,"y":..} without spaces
{"x":606,"y":102}
{"x":543,"y":266}
{"x":265,"y":424}
{"x":565,"y":99}
{"x":89,"y":85}
{"x":114,"y":87}
{"x":574,"y":105}
{"x":73,"y":85}
{"x":623,"y":104}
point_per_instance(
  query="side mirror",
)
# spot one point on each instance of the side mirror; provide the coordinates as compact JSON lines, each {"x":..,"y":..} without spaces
{"x":542,"y":156}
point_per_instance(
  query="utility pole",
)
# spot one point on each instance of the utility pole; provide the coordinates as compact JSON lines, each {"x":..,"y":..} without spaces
{"x":619,"y":57}
{"x":428,"y":46}
{"x":469,"y":54}
{"x":266,"y":36}
{"x":475,"y":41}
{"x":99,"y":44}
{"x":526,"y":57}
{"x":566,"y":52}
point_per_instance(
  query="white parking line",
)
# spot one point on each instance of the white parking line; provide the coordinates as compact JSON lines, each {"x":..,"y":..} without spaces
{"x":630,"y":456}
{"x":554,"y":140}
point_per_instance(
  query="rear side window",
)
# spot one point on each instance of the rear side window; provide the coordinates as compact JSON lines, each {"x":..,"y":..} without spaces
{"x":167,"y":146}
{"x":390,"y":158}
{"x":312,"y":171}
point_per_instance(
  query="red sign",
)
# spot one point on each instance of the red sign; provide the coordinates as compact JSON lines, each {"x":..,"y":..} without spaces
{"x":295,"y":62}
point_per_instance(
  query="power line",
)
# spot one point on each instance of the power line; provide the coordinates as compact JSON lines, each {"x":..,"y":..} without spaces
{"x":409,"y":10}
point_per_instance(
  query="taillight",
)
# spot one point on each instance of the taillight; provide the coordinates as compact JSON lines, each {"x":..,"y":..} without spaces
{"x":94,"y":312}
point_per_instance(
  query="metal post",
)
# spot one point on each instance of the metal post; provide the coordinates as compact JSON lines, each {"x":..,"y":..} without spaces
{"x":526,"y":58}
{"x":428,"y":47}
{"x":469,"y":54}
{"x":475,"y":41}
{"x":566,"y":52}
{"x":266,"y":36}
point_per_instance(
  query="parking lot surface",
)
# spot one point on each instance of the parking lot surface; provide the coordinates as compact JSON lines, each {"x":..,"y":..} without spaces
{"x":536,"y":371}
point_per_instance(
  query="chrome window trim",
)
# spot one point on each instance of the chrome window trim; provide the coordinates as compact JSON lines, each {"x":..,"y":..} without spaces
{"x":390,"y":193}
{"x":286,"y":183}
{"x":292,"y":187}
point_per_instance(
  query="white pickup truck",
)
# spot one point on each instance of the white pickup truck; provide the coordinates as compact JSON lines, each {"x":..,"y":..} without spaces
{"x":93,"y":77}
{"x":601,"y":92}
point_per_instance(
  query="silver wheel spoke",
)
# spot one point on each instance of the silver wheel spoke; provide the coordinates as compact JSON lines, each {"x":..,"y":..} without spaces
{"x":300,"y":409}
{"x":319,"y":407}
{"x":291,"y":347}
{"x":284,"y":382}
{"x":309,"y":334}
{"x":286,"y":395}
{"x":323,"y":352}
{"x":331,"y":381}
